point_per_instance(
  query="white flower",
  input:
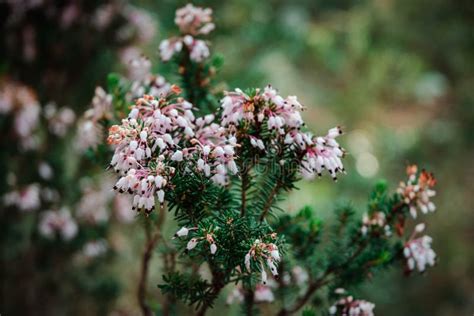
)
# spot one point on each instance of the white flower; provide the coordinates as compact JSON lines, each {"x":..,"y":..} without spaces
{"x":139,"y":68}
{"x":192,"y":243}
{"x":349,"y":307}
{"x":300,"y":275}
{"x":143,"y":22}
{"x":59,"y":120}
{"x":93,"y":249}
{"x":418,"y":253}
{"x":263,"y":294}
{"x":213,"y":248}
{"x":58,"y":222}
{"x":264,"y":276}
{"x":198,"y":51}
{"x":25,"y":199}
{"x":418,"y":190}
{"x":169,"y":47}
{"x":88,"y":135}
{"x":45,"y":171}
{"x":21,"y":102}
{"x":247,"y":261}
{"x":183,"y":232}
{"x":177,"y":156}
{"x":376,"y":222}
{"x":93,"y":207}
{"x":265,"y":254}
{"x":420,"y":228}
{"x":194,"y":20}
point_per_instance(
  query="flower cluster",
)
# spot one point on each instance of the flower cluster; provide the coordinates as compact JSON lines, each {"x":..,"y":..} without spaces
{"x":141,"y":23}
{"x":139,"y":76}
{"x":262,"y":294}
{"x":263,"y":253}
{"x":20,"y":102}
{"x":418,"y":191}
{"x":92,"y":250}
{"x":376,"y":222}
{"x":101,"y":106}
{"x":95,"y":248}
{"x":27,"y":198}
{"x":418,"y":252}
{"x":193,"y":242}
{"x":59,"y":120}
{"x":282,"y":117}
{"x":158,"y":134}
{"x":192,"y":21}
{"x":119,"y":22}
{"x":60,"y":223}
{"x":347,"y":306}
{"x":89,"y":132}
{"x":93,"y":205}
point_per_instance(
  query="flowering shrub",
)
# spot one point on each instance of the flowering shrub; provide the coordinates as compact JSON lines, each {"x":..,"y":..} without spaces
{"x":218,"y":162}
{"x":221,"y":161}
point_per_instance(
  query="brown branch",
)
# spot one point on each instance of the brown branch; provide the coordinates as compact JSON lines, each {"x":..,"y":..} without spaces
{"x":217,"y":285}
{"x":302,"y":300}
{"x":269,"y":201}
{"x":152,"y":241}
{"x":146,"y":310}
{"x":314,"y":286}
{"x":249,"y":302}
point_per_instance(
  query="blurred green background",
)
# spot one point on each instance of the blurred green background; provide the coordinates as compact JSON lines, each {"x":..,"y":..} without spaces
{"x":398,"y":75}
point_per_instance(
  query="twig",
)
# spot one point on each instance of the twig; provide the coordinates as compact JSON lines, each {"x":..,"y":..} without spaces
{"x":243,"y":195}
{"x":152,"y":241}
{"x":217,"y":285}
{"x":302,"y":300}
{"x":269,"y":201}
{"x":249,"y":302}
{"x":314,"y":286}
{"x":146,"y":310}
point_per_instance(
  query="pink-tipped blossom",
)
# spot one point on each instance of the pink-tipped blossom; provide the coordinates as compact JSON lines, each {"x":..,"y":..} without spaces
{"x":282,"y":118}
{"x":58,"y":223}
{"x":160,"y":133}
{"x":375,"y":223}
{"x":417,"y":252}
{"x":26,"y":199}
{"x":418,"y":191}
{"x":59,"y":120}
{"x":263,"y":294}
{"x":194,"y":20}
{"x":22,"y":104}
{"x":266,"y":255}
{"x":347,"y":306}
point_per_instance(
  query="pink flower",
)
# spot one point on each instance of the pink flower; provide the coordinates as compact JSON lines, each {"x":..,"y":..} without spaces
{"x":349,"y":307}
{"x":58,"y":222}
{"x":418,"y":252}
{"x":263,"y":294}
{"x":418,"y":191}
{"x":263,"y":254}
{"x":160,"y":133}
{"x":194,"y":20}
{"x":25,"y":199}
